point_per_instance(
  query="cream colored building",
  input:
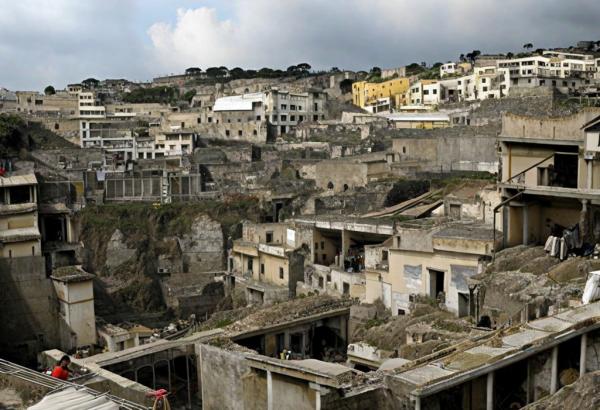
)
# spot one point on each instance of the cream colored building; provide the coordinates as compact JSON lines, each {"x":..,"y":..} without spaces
{"x":428,"y":257}
{"x":347,"y":173}
{"x":550,"y":176}
{"x":174,"y":143}
{"x":75,"y":292}
{"x":115,"y":338}
{"x":268,"y":261}
{"x":59,"y":104}
{"x":19,"y":231}
{"x":339,"y":246}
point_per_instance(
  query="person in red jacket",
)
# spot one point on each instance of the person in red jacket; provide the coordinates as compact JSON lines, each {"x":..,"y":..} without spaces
{"x":61,"y":370}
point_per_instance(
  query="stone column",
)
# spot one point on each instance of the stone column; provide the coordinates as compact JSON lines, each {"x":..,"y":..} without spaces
{"x":345,"y":247}
{"x":318,"y":389}
{"x":269,"y":390}
{"x":583,"y":355}
{"x":530,"y":383}
{"x":489,"y":395}
{"x":525,"y":225}
{"x":589,"y":179}
{"x":583,"y":221}
{"x":554,"y":378}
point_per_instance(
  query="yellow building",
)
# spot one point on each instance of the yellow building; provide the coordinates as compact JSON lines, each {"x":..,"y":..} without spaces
{"x":365,"y":93}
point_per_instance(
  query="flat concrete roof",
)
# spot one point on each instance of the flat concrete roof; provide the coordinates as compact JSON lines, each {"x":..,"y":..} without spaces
{"x":543,"y":141}
{"x":380,"y":226}
{"x":526,"y":340}
{"x":391,"y":364}
{"x":311,"y":370}
{"x":108,"y":358}
{"x":71,"y":274}
{"x":17,"y":180}
{"x":467,"y":231}
{"x":554,"y":191}
{"x":421,"y":116}
{"x":258,"y":330}
{"x":19,"y":235}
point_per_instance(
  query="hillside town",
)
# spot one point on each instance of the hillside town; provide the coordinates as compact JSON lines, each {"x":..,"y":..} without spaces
{"x":425,"y":236}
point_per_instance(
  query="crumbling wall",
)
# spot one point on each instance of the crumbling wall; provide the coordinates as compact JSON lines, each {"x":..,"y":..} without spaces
{"x":227,"y":382}
{"x":29,"y":315}
{"x":378,"y":397}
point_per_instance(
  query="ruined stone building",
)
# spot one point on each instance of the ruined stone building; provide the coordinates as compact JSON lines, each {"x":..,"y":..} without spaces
{"x":268,"y":261}
{"x":549,"y":177}
{"x":429,"y":257}
{"x":264,"y":116}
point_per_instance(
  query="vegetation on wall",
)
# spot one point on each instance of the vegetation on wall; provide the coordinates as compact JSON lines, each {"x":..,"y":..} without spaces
{"x":18,"y":136}
{"x":161,"y":95}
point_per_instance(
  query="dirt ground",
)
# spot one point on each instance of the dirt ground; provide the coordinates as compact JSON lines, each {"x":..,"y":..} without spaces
{"x":10,"y":399}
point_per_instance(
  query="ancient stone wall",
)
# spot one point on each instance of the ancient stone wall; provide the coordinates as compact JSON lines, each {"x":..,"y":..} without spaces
{"x":29,"y":314}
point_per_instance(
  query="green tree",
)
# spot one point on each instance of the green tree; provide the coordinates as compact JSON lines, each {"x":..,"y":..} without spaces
{"x":161,"y":95}
{"x":375,"y":71}
{"x":11,"y":134}
{"x":304,"y":66}
{"x":214,"y":72}
{"x":528,"y":46}
{"x":90,"y":83}
{"x":188,"y":95}
{"x":193,"y":71}
{"x":49,"y":90}
{"x":237,"y":72}
{"x":265,"y":72}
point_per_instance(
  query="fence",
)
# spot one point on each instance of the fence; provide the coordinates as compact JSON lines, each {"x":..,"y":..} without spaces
{"x":158,"y":189}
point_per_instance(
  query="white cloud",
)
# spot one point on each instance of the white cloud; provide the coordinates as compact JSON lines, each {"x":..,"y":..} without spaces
{"x":362,"y":33}
{"x":61,"y":41}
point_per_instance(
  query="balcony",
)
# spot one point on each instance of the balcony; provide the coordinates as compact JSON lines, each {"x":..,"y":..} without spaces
{"x":555,"y":175}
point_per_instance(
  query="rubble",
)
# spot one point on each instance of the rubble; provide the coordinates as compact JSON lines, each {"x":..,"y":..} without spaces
{"x":582,"y":394}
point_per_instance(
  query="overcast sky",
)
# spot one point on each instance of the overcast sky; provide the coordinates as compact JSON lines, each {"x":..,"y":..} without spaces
{"x":61,"y":41}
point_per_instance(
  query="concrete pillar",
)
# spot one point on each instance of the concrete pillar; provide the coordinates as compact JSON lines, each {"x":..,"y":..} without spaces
{"x":583,"y":355}
{"x":489,"y":395}
{"x":345,"y":247}
{"x":269,"y":390}
{"x":589,"y":178}
{"x":554,"y":377}
{"x":303,"y":343}
{"x":286,"y":339}
{"x":187,"y":374}
{"x":344,"y":328}
{"x":317,"y":400}
{"x":417,"y":403}
{"x":525,"y":224}
{"x":169,"y":374}
{"x":583,"y":220}
{"x":153,"y":376}
{"x":530,"y":383}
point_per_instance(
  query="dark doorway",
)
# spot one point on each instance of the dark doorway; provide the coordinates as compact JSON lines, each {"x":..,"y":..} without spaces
{"x":256,"y":343}
{"x":436,"y":283}
{"x":565,"y":170}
